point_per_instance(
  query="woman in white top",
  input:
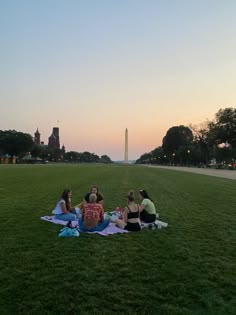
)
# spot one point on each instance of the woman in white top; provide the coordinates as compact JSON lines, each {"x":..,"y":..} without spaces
{"x":63,"y":210}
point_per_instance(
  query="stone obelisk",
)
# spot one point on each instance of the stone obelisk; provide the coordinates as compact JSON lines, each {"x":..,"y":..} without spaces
{"x":126,"y":145}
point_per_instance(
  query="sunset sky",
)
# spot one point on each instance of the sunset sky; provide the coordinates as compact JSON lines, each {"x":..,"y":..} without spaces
{"x":99,"y":66}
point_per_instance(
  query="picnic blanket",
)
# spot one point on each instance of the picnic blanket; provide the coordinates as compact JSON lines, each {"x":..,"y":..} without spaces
{"x":155,"y":225}
{"x":109,"y":230}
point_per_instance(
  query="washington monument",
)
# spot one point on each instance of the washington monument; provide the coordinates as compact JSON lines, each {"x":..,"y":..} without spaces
{"x":126,"y":145}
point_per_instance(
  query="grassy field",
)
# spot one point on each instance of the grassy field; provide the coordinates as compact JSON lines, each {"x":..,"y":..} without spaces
{"x":188,"y":268}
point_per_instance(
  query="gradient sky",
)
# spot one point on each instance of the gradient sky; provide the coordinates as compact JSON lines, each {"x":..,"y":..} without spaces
{"x":99,"y":66}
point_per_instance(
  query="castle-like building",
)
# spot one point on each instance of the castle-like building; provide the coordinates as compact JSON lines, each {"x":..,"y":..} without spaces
{"x":53,"y":140}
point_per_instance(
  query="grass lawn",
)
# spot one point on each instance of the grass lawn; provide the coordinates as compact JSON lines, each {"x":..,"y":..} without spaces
{"x":188,"y":268}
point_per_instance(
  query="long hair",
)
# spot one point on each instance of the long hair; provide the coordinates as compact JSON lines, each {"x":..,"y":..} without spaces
{"x":65,"y":197}
{"x":98,"y":193}
{"x":144,"y":194}
{"x":94,"y":186}
{"x":130,"y":196}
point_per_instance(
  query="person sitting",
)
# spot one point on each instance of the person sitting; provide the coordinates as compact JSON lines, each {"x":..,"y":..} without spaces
{"x":63,"y":210}
{"x":94,"y":190}
{"x":92,"y":216}
{"x":147,"y":208}
{"x":131,"y":214}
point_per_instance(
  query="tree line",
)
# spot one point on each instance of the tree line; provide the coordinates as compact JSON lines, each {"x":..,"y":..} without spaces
{"x":208,"y":143}
{"x":21,"y":145}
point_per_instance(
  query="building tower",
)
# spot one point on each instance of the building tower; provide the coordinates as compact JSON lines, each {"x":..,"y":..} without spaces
{"x":54,"y":140}
{"x":126,"y":145}
{"x":56,"y":134}
{"x":37,"y":137}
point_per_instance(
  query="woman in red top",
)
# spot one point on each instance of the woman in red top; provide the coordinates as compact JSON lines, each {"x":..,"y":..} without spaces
{"x":92,"y":216}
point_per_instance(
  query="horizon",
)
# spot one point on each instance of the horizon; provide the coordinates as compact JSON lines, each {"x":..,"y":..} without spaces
{"x":93,"y":68}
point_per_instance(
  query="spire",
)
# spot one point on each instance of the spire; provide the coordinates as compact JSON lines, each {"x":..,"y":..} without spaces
{"x":52,"y":136}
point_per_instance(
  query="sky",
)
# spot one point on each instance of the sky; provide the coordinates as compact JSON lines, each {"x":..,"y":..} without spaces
{"x":96,"y":67}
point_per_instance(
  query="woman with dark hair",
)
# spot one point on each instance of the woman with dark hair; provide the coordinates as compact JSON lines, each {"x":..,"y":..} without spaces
{"x":131,"y":221}
{"x":147,"y":208}
{"x":63,"y":210}
{"x":94,"y":190}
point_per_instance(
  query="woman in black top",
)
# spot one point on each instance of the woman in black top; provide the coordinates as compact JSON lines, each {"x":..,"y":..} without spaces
{"x":94,"y":190}
{"x":131,"y":221}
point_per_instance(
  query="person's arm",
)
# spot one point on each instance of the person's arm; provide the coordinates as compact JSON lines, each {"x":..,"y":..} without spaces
{"x":101,"y":202}
{"x":86,"y":199}
{"x":125,"y":214}
{"x":101,"y":214}
{"x":143,"y":204}
{"x":63,"y":207}
{"x":101,"y":199}
{"x":141,"y":207}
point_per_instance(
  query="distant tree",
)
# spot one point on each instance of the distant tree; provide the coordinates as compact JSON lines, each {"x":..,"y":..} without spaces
{"x":72,"y":156}
{"x":15,"y":143}
{"x":37,"y":150}
{"x":144,"y":159}
{"x":223,"y":129}
{"x":202,"y":142}
{"x":105,"y":159}
{"x":176,"y":137}
{"x":157,"y":155}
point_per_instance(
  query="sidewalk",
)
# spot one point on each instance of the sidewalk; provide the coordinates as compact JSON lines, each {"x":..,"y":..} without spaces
{"x":203,"y":171}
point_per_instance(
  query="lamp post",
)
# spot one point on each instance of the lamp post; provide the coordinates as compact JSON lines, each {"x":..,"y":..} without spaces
{"x":189,"y":157}
{"x":173,"y":158}
{"x":164,"y":159}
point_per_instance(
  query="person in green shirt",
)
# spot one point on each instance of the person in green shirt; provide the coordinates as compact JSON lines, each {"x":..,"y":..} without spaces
{"x":147,"y":208}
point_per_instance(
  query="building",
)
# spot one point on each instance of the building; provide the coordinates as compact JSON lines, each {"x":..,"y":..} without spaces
{"x":54,"y":139}
{"x":37,"y":137}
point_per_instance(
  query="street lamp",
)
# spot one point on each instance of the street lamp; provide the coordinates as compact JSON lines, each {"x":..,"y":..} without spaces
{"x":173,"y":158}
{"x":188,"y":156}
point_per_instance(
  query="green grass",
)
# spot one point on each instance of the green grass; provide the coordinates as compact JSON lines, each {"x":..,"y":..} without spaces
{"x":188,"y":268}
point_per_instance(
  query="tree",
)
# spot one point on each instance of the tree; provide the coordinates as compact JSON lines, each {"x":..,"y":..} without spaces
{"x":72,"y":156}
{"x":202,"y":142}
{"x":144,"y":159}
{"x":176,"y":137}
{"x":15,"y":143}
{"x":105,"y":159}
{"x":223,"y":130}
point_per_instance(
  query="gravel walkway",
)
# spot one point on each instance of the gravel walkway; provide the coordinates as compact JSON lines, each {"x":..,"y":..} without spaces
{"x":203,"y":171}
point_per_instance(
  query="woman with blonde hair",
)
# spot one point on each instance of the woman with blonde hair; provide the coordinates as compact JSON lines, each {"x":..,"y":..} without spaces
{"x":92,"y":216}
{"x":131,"y":214}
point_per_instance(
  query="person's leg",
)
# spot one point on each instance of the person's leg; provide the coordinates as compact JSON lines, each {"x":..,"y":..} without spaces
{"x":65,"y":217}
{"x":151,"y":218}
{"x":102,"y":225}
{"x":133,"y":227}
{"x":81,"y":226}
{"x":121,"y":224}
{"x":142,"y":215}
{"x":147,"y":218}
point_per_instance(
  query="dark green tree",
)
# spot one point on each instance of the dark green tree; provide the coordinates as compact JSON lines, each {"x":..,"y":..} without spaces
{"x":105,"y":159}
{"x":15,"y":143}
{"x":176,"y":137}
{"x":223,"y":129}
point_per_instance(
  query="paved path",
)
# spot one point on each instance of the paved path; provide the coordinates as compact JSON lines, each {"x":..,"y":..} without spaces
{"x":203,"y":171}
